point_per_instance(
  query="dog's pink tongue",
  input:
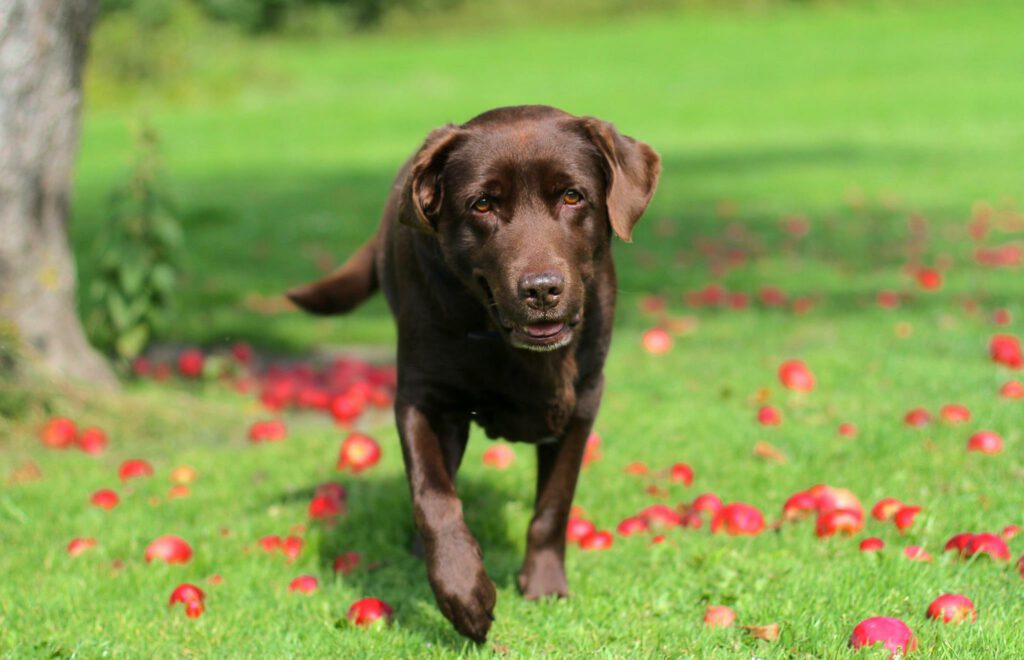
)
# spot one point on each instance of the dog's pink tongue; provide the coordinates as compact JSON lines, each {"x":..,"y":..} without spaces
{"x":543,"y":329}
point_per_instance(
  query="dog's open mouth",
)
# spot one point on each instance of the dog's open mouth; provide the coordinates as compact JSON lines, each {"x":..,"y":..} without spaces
{"x":541,"y":335}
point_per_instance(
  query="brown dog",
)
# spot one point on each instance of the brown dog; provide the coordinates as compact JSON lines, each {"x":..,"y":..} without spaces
{"x":494,"y":254}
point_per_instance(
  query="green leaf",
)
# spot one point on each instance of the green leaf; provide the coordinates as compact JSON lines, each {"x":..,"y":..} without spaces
{"x":118,"y":310}
{"x":163,"y":279}
{"x":131,"y":343}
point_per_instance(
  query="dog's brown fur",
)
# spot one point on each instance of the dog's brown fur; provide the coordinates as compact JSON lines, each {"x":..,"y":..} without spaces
{"x":494,"y":254}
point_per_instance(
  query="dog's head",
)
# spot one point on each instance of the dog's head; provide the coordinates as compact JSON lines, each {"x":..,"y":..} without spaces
{"x":523,"y":202}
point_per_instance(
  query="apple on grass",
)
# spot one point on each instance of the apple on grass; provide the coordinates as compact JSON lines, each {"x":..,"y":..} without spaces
{"x":170,"y":549}
{"x":305,"y":584}
{"x":358,"y":452}
{"x":952,"y":608}
{"x":105,"y":499}
{"x":892,"y":633}
{"x":368,"y":611}
{"x":719,"y":616}
{"x":58,"y":433}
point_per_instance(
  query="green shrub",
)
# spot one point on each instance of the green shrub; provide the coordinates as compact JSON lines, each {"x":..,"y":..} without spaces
{"x":133,"y":290}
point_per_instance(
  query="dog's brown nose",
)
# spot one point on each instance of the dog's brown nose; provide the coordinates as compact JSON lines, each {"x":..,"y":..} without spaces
{"x":541,"y":290}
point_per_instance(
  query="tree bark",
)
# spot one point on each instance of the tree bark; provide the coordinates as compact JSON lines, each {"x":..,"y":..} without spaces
{"x":42,"y":52}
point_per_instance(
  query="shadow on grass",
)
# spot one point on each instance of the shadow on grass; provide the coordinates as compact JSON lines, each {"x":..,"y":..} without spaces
{"x":379,"y":526}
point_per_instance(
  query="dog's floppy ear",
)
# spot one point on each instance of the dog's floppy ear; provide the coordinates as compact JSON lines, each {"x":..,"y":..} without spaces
{"x":631,"y":168}
{"x":425,"y":191}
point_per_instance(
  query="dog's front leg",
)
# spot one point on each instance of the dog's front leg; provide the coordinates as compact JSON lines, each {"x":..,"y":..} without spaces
{"x":455,"y":568}
{"x":558,"y":467}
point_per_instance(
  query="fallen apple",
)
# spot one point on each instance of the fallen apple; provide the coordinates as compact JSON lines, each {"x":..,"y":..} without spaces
{"x":358,"y":452}
{"x":190,"y":363}
{"x":270,"y":543}
{"x":58,"y":433}
{"x":719,"y":616}
{"x":916,"y":553}
{"x":368,"y":611}
{"x":958,"y":543}
{"x":499,"y":456}
{"x":917,"y":417}
{"x":1013,"y":389}
{"x":632,"y":525}
{"x":323,"y":507}
{"x":992,"y":545}
{"x":660,"y":516}
{"x":105,"y":499}
{"x":985,"y":442}
{"x":656,"y":341}
{"x":952,"y":608}
{"x":1010,"y":531}
{"x":847,"y":430}
{"x":872,"y":544}
{"x":738,"y":519}
{"x":170,"y":549}
{"x":905,"y":516}
{"x":1006,"y":350}
{"x":890,"y":632}
{"x":794,"y":375}
{"x":637,"y":468}
{"x":292,"y":547}
{"x":346,"y":562}
{"x":886,"y":508}
{"x":597,"y":540}
{"x":79,"y":545}
{"x":305,"y":584}
{"x":769,"y":416}
{"x":577,"y":529}
{"x":272,"y":430}
{"x":681,"y":473}
{"x":800,"y":505}
{"x":839,"y":521}
{"x":954,"y":413}
{"x":929,"y":279}
{"x":92,"y":440}
{"x":186,"y":593}
{"x":134,"y":468}
{"x":706,"y":503}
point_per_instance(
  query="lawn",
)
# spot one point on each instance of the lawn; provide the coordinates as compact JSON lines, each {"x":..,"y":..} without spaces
{"x":887,"y":127}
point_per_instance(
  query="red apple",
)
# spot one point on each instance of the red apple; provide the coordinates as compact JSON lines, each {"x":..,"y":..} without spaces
{"x":799,"y":505}
{"x":637,"y":467}
{"x":886,"y":508}
{"x":738,"y":519}
{"x":985,"y":442}
{"x":368,"y":611}
{"x":58,"y":433}
{"x":80,"y":545}
{"x":134,"y":467}
{"x":242,"y":352}
{"x":186,"y":593}
{"x":346,"y":407}
{"x":190,"y":363}
{"x":171,"y":549}
{"x":660,"y":516}
{"x":929,"y":279}
{"x":597,"y":540}
{"x":92,"y":440}
{"x":769,"y":416}
{"x":706,"y":503}
{"x":987,"y":544}
{"x":324,"y":507}
{"x":346,"y":562}
{"x":1013,"y":389}
{"x":719,"y":616}
{"x":332,"y":490}
{"x":270,"y":543}
{"x":916,"y":553}
{"x":904,"y":517}
{"x":194,"y":609}
{"x":105,"y":499}
{"x":291,"y":547}
{"x":499,"y":457}
{"x":847,"y":430}
{"x":681,"y":473}
{"x":872,"y":544}
{"x":839,"y":521}
{"x":177,"y":491}
{"x":952,"y":608}
{"x":954,"y":413}
{"x":795,"y":375}
{"x":958,"y":543}
{"x":1006,"y":350}
{"x":892,"y":633}
{"x":270,"y":431}
{"x":577,"y":529}
{"x":631,"y":526}
{"x":917,"y":417}
{"x":1002,"y":316}
{"x":657,"y":341}
{"x":1010,"y":531}
{"x":305,"y":584}
{"x":888,"y":299}
{"x":358,"y":452}
{"x":831,"y":498}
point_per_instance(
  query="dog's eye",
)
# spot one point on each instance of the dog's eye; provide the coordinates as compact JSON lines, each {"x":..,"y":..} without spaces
{"x":572,"y":197}
{"x":483,"y":205}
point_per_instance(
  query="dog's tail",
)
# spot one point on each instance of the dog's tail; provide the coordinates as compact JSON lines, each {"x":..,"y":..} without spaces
{"x":344,"y":289}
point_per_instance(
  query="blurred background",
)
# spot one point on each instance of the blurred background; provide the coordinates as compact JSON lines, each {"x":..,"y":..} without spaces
{"x":272,"y":130}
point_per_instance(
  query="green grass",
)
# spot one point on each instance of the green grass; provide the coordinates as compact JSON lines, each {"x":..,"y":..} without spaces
{"x":856,"y":118}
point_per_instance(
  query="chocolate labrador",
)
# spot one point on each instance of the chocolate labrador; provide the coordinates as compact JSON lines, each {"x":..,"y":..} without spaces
{"x":494,"y":253}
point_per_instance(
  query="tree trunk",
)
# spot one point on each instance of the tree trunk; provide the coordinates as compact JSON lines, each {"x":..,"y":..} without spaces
{"x":42,"y":50}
